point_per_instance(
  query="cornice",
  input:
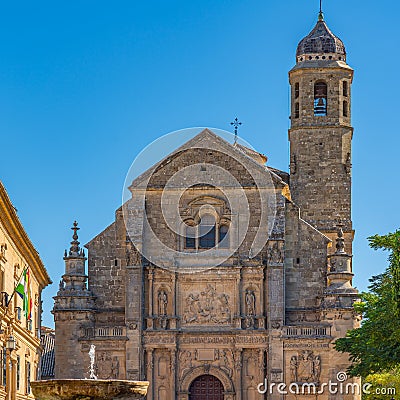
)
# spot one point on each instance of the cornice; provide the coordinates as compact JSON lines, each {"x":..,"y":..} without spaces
{"x":16,"y":232}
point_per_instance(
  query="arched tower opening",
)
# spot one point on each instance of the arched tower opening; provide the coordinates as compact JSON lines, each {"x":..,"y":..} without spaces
{"x":321,"y":133}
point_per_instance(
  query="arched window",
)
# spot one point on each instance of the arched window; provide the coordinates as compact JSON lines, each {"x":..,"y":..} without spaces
{"x":207,"y":232}
{"x":296,"y":90}
{"x":320,"y":99}
{"x":345,"y":89}
{"x":345,"y":109}
{"x":190,"y":237}
{"x":296,"y":110}
{"x":223,"y":237}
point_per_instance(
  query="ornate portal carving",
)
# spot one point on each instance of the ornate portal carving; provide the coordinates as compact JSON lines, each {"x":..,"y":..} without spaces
{"x":305,"y":367}
{"x":222,"y":359}
{"x":207,"y":307}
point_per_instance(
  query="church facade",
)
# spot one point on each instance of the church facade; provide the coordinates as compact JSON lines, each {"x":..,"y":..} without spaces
{"x":222,"y":277}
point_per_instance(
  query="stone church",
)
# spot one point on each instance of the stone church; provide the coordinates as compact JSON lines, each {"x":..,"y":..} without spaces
{"x":221,"y":273}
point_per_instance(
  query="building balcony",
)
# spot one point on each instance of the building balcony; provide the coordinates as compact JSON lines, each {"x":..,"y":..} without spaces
{"x":323,"y":332}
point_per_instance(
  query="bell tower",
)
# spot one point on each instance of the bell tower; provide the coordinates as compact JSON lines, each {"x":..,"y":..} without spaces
{"x":321,"y":133}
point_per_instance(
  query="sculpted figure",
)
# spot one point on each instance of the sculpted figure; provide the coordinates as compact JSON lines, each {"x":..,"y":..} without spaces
{"x":293,"y":369}
{"x":250,"y":302}
{"x":162,"y":302}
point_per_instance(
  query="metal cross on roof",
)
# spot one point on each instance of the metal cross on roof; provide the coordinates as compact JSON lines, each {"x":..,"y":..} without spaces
{"x":321,"y":14}
{"x":236,"y":124}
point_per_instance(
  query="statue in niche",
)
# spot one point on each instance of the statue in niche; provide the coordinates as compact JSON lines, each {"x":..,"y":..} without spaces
{"x":250,"y":309}
{"x":162,"y":302}
{"x":250,"y":302}
{"x":275,"y":254}
{"x":162,"y":308}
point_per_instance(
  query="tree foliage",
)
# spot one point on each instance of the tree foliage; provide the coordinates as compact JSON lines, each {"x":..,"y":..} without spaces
{"x":375,"y":347}
{"x":383,"y":386}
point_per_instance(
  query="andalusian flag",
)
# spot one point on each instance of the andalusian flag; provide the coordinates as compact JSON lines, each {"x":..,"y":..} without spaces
{"x":24,"y":290}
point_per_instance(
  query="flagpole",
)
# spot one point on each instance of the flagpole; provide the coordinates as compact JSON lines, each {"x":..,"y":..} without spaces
{"x":19,"y":280}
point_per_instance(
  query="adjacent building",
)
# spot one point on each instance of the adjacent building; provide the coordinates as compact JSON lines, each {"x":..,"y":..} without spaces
{"x":221,"y":272}
{"x":20,"y":332}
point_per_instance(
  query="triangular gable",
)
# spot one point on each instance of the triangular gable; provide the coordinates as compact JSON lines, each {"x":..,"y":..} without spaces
{"x":207,"y":139}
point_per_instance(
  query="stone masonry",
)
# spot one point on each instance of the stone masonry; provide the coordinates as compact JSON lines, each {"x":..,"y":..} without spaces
{"x":267,"y":298}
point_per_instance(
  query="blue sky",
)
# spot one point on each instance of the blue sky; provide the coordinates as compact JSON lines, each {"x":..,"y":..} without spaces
{"x":85,"y":86}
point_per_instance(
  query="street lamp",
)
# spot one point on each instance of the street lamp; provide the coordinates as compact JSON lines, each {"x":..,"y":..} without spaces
{"x":11,"y":343}
{"x":10,"y":346}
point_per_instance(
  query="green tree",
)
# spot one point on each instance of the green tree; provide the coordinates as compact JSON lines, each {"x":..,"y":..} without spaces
{"x":383,"y":386}
{"x":375,"y":347}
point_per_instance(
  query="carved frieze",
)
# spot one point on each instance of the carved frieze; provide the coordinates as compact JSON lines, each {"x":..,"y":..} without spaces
{"x":242,"y":339}
{"x":306,"y":345}
{"x":159,"y":339}
{"x":207,"y":307}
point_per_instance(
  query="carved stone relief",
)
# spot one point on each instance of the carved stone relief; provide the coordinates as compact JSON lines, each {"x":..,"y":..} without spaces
{"x":275,"y":253}
{"x":253,"y":364}
{"x":207,"y":307}
{"x":305,"y":367}
{"x":132,"y":255}
{"x":224,"y":359}
{"x":107,"y":366}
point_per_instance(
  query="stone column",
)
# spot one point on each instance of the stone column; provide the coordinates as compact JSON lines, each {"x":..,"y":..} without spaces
{"x":172,"y":324}
{"x":133,"y":315}
{"x":262,"y":313}
{"x":150,"y":323}
{"x":173,"y":373}
{"x":239,"y":298}
{"x":8,"y":374}
{"x":150,"y":368}
{"x":13,"y":370}
{"x":239,"y":373}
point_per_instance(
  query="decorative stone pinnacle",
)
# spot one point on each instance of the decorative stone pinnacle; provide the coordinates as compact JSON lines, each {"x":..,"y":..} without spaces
{"x":75,"y":244}
{"x":339,"y":239}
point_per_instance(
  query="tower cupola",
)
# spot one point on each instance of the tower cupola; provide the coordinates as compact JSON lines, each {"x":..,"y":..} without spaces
{"x":320,"y":44}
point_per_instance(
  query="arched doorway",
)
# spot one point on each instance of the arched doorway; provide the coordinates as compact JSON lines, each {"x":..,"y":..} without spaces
{"x":206,"y":387}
